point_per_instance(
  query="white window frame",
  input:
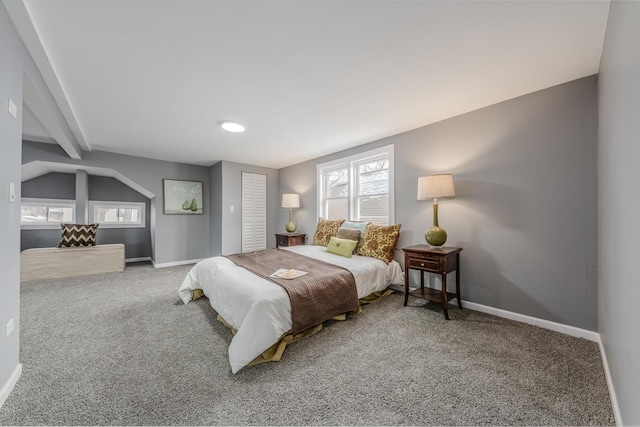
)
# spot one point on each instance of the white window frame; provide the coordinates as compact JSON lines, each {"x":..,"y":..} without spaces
{"x":51,"y":203}
{"x":351,"y":162}
{"x":94,"y":205}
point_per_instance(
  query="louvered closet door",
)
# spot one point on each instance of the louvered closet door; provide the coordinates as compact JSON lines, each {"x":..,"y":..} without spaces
{"x":254,"y":212}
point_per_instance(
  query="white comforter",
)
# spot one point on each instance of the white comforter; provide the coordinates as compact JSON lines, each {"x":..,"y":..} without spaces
{"x":259,"y":309}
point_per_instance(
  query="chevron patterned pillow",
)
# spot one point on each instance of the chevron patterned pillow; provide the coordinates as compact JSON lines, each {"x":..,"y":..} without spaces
{"x":78,"y":235}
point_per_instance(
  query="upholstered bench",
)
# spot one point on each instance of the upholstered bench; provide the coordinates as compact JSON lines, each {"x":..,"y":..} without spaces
{"x":52,"y":263}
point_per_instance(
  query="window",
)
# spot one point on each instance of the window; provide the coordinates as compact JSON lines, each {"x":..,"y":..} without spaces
{"x":118,"y":214}
{"x":358,"y":188}
{"x":46,"y":213}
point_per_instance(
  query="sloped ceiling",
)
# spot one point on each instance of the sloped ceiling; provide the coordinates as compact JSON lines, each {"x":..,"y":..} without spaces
{"x":152,"y":78}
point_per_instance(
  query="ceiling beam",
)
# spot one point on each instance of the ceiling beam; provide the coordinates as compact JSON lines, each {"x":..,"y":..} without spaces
{"x":19,"y":14}
{"x":36,"y":105}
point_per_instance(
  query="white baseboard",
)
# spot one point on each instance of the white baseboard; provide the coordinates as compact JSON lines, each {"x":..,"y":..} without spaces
{"x":612,"y":391}
{"x":173,"y":264}
{"x":144,"y":258}
{"x":546,"y":324}
{"x":8,"y":387}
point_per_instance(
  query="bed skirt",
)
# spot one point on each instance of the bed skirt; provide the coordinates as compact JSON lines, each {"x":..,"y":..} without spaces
{"x":275,"y":352}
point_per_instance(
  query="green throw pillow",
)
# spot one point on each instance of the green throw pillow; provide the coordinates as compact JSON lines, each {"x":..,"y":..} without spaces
{"x":342,"y":247}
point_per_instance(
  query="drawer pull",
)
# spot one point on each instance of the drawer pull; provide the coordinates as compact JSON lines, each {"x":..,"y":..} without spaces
{"x":422,"y":264}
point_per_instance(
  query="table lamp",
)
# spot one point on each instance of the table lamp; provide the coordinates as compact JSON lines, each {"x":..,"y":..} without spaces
{"x":435,"y":187}
{"x":290,"y":201}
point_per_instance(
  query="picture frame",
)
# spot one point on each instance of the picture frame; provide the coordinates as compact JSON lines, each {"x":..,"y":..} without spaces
{"x":182,"y":197}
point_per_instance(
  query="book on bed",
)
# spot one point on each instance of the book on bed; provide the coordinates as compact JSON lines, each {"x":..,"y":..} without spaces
{"x":288,"y":273}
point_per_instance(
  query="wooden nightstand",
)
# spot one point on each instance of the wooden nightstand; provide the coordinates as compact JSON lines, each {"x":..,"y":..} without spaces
{"x":437,"y":261}
{"x":290,"y":239}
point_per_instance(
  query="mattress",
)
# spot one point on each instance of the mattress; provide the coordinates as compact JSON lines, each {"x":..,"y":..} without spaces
{"x":259,"y":309}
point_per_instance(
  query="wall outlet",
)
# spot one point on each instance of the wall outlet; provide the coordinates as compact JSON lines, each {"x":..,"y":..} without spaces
{"x":9,"y":327}
{"x":232,"y":208}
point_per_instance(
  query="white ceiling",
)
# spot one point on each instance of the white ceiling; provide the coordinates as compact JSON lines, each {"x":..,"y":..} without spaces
{"x":152,"y":77}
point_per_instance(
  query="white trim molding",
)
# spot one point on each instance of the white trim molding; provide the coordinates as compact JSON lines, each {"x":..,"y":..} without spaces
{"x":175,"y":263}
{"x":545,"y":324}
{"x":11,"y":383}
{"x":612,"y":391}
{"x":351,"y":165}
{"x":96,"y":205}
{"x":46,"y":203}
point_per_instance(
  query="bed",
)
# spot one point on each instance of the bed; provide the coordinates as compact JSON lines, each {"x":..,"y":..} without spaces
{"x":259,"y":310}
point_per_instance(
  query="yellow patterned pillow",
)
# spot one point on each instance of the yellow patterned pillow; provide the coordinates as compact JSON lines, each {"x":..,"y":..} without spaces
{"x":379,"y":241}
{"x":326,"y":229}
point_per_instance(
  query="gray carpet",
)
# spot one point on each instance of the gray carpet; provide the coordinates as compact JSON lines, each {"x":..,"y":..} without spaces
{"x":121,"y":349}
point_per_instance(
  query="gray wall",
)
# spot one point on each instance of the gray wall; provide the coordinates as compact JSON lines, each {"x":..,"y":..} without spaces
{"x":137,"y":241}
{"x":53,"y":185}
{"x":526,"y":206}
{"x":175,"y":238}
{"x":215,"y":230}
{"x":16,"y":70}
{"x":12,"y":55}
{"x":231,"y":226}
{"x":618,"y":225}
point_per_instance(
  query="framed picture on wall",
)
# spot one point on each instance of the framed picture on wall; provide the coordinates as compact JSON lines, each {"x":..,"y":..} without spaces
{"x":182,"y":197}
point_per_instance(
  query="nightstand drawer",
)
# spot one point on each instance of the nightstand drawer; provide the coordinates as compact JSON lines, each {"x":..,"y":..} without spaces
{"x":282,"y":240}
{"x":425,"y":263}
{"x":293,"y":239}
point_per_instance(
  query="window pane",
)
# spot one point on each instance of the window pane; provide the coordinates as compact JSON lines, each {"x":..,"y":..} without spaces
{"x":33,"y":214}
{"x":337,"y":183}
{"x":132,"y":215}
{"x":374,"y":209}
{"x":337,"y":208}
{"x":107,"y":215}
{"x":118,"y":215}
{"x":373,"y":177}
{"x":61,"y":215}
{"x":373,"y":191}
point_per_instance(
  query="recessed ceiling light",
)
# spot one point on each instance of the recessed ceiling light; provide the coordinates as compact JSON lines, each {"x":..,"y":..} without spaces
{"x":230,"y":126}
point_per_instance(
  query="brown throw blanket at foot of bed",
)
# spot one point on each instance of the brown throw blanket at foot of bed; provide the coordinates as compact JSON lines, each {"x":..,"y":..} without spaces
{"x":327,"y":290}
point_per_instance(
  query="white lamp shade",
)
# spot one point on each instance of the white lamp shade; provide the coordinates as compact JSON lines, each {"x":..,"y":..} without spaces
{"x":435,"y":187}
{"x":290,"y":201}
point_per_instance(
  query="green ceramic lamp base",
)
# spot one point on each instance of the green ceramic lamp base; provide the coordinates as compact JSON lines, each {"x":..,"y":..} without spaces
{"x":290,"y":227}
{"x":436,"y":236}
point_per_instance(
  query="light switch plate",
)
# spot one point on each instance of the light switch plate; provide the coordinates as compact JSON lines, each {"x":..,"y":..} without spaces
{"x":12,"y":192}
{"x":232,"y":208}
{"x":13,"y":109}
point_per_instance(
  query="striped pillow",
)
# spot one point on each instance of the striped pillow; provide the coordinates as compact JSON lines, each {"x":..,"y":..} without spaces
{"x":78,"y":235}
